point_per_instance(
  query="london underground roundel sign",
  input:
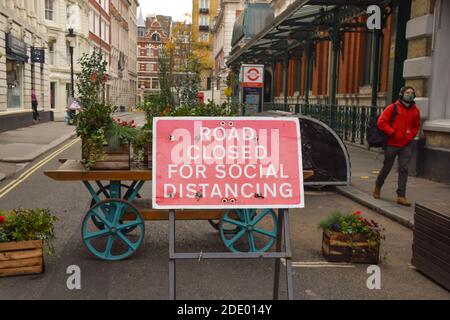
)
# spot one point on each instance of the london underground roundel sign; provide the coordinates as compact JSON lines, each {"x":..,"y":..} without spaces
{"x":252,"y":76}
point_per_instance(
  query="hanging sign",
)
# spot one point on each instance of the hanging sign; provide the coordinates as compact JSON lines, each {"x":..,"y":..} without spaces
{"x":252,"y":76}
{"x":231,"y":162}
{"x":37,"y":55}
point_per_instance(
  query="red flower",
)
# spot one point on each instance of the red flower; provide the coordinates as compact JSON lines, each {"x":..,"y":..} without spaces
{"x":94,"y":77}
{"x":105,"y":78}
{"x":357,"y":213}
{"x":2,"y":218}
{"x":361,"y":219}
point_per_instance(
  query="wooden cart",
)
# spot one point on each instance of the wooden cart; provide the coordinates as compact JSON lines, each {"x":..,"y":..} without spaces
{"x":113,"y":227}
{"x":117,"y":213}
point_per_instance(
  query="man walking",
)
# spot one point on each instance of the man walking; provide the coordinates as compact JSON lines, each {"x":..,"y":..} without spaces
{"x":401,"y":131}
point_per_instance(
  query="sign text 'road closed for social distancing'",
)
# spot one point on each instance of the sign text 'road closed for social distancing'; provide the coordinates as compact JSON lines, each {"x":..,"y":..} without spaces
{"x":232,"y":162}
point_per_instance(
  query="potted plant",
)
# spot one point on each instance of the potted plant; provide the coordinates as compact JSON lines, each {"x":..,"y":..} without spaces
{"x":351,"y":238}
{"x":25,"y":235}
{"x":105,"y":141}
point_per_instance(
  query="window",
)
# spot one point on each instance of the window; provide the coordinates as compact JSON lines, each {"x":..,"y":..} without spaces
{"x":105,"y":31}
{"x":97,"y":25}
{"x":150,"y":52}
{"x":49,"y":9}
{"x":68,"y":53}
{"x":156,"y":37}
{"x":51,"y":53}
{"x":204,"y":37}
{"x":204,"y":4}
{"x":91,"y":21}
{"x":204,"y":20}
{"x":155,"y":83}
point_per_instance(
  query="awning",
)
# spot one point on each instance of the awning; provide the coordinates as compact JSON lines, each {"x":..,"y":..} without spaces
{"x":16,"y":57}
{"x":254,"y":18}
{"x":302,"y":20}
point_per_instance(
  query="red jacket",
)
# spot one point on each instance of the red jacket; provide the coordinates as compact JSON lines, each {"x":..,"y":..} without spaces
{"x":405,"y":127}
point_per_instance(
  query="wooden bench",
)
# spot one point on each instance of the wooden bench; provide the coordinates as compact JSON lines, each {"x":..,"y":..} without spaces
{"x":431,"y":241}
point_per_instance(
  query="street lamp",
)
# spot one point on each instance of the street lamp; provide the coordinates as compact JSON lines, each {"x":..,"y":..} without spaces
{"x":71,"y":38}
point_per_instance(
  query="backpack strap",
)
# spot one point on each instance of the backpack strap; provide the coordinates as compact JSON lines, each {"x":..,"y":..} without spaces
{"x":394,"y":114}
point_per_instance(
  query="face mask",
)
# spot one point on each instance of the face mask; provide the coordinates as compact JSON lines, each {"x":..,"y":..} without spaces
{"x":409,"y":97}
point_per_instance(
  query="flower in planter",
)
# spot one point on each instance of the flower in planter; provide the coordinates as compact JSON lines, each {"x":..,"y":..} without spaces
{"x":355,"y":232}
{"x":28,"y":224}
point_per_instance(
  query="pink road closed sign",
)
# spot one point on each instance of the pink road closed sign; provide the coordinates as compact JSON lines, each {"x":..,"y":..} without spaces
{"x":230,"y":162}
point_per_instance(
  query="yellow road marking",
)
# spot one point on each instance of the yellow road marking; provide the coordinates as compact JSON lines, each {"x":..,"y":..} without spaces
{"x":364,"y":177}
{"x":13,"y":184}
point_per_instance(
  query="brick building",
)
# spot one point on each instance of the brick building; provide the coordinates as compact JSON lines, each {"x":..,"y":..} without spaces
{"x":153,"y":33}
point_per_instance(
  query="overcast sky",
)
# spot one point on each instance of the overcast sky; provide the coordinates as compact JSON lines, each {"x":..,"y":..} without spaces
{"x":174,"y":8}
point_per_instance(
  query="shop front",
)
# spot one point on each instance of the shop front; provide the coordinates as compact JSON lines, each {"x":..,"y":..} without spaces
{"x":16,"y":57}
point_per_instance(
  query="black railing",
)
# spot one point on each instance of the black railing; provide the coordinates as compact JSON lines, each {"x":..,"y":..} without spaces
{"x":349,"y":122}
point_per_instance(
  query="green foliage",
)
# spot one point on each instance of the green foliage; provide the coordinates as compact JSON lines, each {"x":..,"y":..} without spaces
{"x":328,"y":222}
{"x":118,"y":135}
{"x":190,"y":84}
{"x":95,"y":118}
{"x":91,"y":80}
{"x":351,"y":224}
{"x":26,"y":224}
{"x":165,"y":71}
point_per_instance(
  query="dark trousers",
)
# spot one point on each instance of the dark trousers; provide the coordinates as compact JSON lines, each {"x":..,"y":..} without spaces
{"x":404,"y":155}
{"x":34,"y":105}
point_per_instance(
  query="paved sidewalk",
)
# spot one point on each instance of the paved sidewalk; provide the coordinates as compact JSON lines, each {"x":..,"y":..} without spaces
{"x":20,"y":146}
{"x":365,"y":167}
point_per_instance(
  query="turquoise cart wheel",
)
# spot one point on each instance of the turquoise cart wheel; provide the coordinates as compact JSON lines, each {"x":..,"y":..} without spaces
{"x":116,"y":241}
{"x":256,"y":231}
{"x":103,"y":193}
{"x":229,"y":228}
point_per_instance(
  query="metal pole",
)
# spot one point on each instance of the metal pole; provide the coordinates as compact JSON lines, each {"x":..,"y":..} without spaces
{"x":285,"y":79}
{"x":376,"y":71}
{"x":334,"y":77}
{"x":334,"y":67}
{"x":309,"y":57}
{"x":72,"y":86}
{"x":287,"y":249}
{"x":272,"y":84}
{"x":172,"y":261}
{"x":298,"y":81}
{"x":276,"y":279}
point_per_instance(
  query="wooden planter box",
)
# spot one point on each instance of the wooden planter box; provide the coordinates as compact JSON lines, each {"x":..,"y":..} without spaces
{"x":111,"y":158}
{"x":431,"y":241}
{"x":337,"y":247}
{"x":21,"y":258}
